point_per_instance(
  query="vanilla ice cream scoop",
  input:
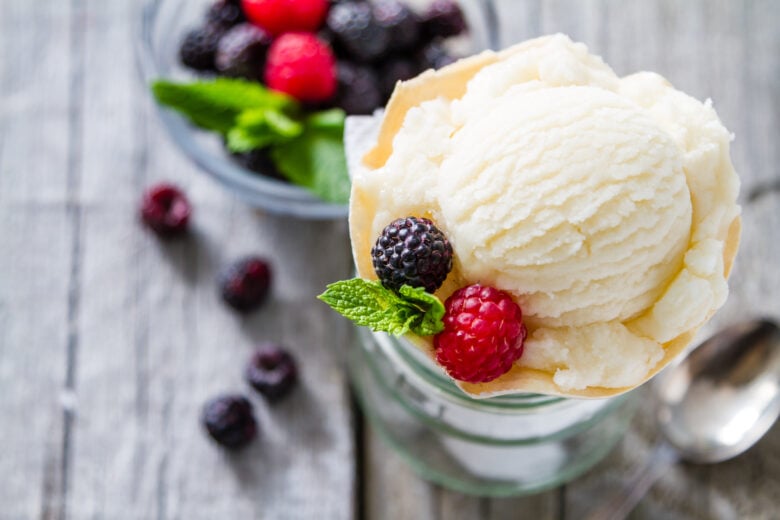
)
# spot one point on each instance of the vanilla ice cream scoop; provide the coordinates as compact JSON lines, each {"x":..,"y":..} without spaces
{"x":605,"y":206}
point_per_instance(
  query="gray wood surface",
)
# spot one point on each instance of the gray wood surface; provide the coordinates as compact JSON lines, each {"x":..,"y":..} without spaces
{"x":110,"y":340}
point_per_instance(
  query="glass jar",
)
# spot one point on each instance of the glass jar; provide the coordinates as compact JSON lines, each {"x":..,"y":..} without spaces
{"x":501,"y":446}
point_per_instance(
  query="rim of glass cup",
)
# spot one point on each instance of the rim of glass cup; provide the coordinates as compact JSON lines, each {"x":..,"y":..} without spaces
{"x":509,"y":404}
{"x":269,"y":194}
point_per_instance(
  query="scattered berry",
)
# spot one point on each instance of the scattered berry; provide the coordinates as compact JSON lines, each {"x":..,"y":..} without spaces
{"x":241,"y":52}
{"x":199,"y":47}
{"x":225,"y":13}
{"x":358,"y":89}
{"x":414,"y":252}
{"x":443,"y":19}
{"x":301,"y":65}
{"x":357,"y":31}
{"x":434,"y":56}
{"x":229,"y":420}
{"x":166,"y":210}
{"x":281,"y":16}
{"x":259,"y":161}
{"x":400,"y":22}
{"x":272,"y":372}
{"x":483,"y":334}
{"x":396,"y":70}
{"x":246,"y":283}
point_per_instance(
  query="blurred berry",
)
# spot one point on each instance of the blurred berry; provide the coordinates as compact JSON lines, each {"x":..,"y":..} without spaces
{"x":401,"y":23}
{"x":245,"y":284}
{"x":241,"y":52}
{"x":165,"y":210}
{"x":229,"y":420}
{"x":358,"y":90}
{"x":272,"y":372}
{"x":395,"y":70}
{"x":443,"y":19}
{"x":199,"y":47}
{"x":357,"y":31}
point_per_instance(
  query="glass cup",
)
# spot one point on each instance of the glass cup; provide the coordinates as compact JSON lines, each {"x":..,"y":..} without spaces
{"x":500,"y":446}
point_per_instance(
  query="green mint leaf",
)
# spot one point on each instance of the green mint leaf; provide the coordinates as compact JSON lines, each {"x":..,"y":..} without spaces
{"x":315,"y":160}
{"x":430,"y":322}
{"x":260,"y":127}
{"x":370,"y":304}
{"x":215,"y":105}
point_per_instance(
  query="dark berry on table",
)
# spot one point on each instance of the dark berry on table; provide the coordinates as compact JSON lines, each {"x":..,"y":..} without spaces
{"x":229,"y":420}
{"x":443,"y":19}
{"x":272,"y":371}
{"x":395,"y":70}
{"x":357,"y":31}
{"x":303,"y":66}
{"x":400,"y":21}
{"x":412,"y":251}
{"x":241,"y":52}
{"x":259,"y":161}
{"x":199,"y":47}
{"x":165,"y":210}
{"x":358,"y":91}
{"x":434,"y":56}
{"x":282,"y":16}
{"x":483,"y":334}
{"x":245,"y":284}
{"x":225,"y":13}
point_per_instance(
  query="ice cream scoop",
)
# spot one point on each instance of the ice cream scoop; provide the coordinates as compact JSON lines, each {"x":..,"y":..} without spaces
{"x":605,"y":206}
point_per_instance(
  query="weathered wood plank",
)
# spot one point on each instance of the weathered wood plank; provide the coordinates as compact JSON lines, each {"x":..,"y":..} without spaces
{"x":155,"y":341}
{"x":36,"y":253}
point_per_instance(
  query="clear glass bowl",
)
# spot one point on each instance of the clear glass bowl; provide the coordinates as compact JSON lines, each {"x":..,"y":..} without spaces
{"x":501,"y":446}
{"x":162,"y":26}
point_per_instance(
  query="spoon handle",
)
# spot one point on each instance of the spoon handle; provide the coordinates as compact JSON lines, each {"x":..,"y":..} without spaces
{"x":620,"y":505}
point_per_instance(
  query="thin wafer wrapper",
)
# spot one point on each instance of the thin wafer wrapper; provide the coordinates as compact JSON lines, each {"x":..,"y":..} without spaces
{"x":450,"y":83}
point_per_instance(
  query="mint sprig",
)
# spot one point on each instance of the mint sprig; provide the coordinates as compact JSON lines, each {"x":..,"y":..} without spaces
{"x":370,"y":304}
{"x":307,"y":150}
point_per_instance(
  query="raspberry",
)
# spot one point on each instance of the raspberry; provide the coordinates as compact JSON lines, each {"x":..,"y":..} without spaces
{"x":199,"y":47}
{"x":272,"y":372}
{"x":166,"y":210}
{"x":241,"y":52}
{"x":358,"y":90}
{"x":281,"y":16}
{"x":412,"y":251}
{"x":229,"y":420}
{"x":225,"y":13}
{"x":483,"y":334}
{"x":444,"y":19}
{"x":246,"y":283}
{"x":357,"y":31}
{"x":301,"y":65}
{"x":402,"y":24}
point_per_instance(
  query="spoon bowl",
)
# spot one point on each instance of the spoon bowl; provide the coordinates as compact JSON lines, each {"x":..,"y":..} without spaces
{"x":722,"y":398}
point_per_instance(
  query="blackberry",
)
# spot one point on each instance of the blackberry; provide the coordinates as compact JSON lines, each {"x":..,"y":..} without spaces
{"x":259,"y":161}
{"x":443,"y":19}
{"x":357,"y":31}
{"x":272,"y":371}
{"x":229,"y":420}
{"x":225,"y":13}
{"x":358,"y":89}
{"x":245,"y":284}
{"x":166,"y":210}
{"x":412,"y":251}
{"x":241,"y":52}
{"x":395,"y":70}
{"x":199,"y":47}
{"x":400,"y":21}
{"x":434,"y":56}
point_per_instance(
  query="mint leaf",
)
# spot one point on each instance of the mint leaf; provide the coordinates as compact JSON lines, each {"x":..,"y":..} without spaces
{"x":260,"y":127}
{"x":370,"y":304}
{"x":215,"y":104}
{"x":315,"y":159}
{"x":430,"y":322}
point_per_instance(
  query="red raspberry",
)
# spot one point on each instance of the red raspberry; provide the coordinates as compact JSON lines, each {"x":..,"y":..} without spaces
{"x":281,"y":16}
{"x":483,"y":334}
{"x":303,"y":66}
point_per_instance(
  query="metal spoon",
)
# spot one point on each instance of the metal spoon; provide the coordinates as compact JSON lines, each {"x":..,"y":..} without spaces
{"x":712,"y":405}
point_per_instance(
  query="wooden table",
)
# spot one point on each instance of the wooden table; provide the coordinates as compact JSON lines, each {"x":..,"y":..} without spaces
{"x":111,"y":340}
